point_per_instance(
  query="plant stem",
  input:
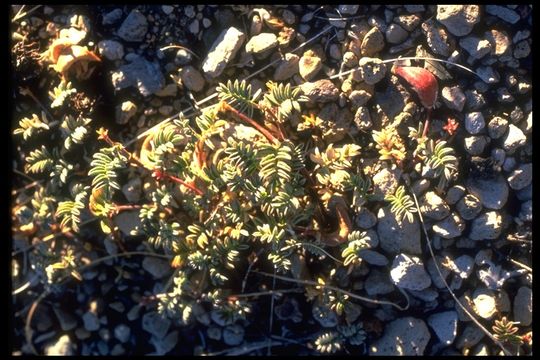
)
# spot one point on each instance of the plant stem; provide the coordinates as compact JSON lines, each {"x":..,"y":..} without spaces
{"x":426,"y":125}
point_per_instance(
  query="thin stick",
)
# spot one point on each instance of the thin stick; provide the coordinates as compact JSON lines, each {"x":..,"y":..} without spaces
{"x":180,"y":47}
{"x":20,"y":15}
{"x":18,"y":172}
{"x":409,"y":58}
{"x":521,"y":265}
{"x":27,"y":328}
{"x":269,"y":292}
{"x":271,"y":325}
{"x":428,"y":241}
{"x":330,"y":287}
{"x":246,"y":348}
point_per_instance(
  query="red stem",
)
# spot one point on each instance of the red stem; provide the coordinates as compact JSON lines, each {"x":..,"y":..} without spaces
{"x":426,"y":125}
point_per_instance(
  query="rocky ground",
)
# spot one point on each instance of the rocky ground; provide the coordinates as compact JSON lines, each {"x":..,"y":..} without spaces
{"x":156,"y":61}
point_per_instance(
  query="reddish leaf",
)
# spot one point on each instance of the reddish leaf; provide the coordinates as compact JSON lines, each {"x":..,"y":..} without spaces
{"x":422,"y":81}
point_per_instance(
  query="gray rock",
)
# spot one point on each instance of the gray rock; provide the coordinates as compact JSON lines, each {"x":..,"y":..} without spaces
{"x":509,"y":163}
{"x":192,"y":78}
{"x":373,"y":257}
{"x":183,"y":57}
{"x":309,"y":65}
{"x":453,"y":97}
{"x":164,"y":345}
{"x":359,"y":98}
{"x":525,"y":212}
{"x":458,"y":19}
{"x":437,"y":38}
{"x":492,"y":192}
{"x":526,"y":126}
{"x":433,"y":206}
{"x":320,"y":91}
{"x":455,"y":193}
{"x":498,"y":156}
{"x":127,"y":221}
{"x":486,"y":226}
{"x":408,"y":22}
{"x":397,"y":236}
{"x":525,"y":193}
{"x":451,"y":227}
{"x":474,"y":100}
{"x":134,"y":27}
{"x":475,"y":46}
{"x":66,"y":320}
{"x":372,"y":43}
{"x":485,"y":303}
{"x":145,"y":75}
{"x":427,"y":295}
{"x":365,"y":218}
{"x":125,"y":111}
{"x":122,"y":333}
{"x":470,"y":336}
{"x":409,"y":273}
{"x":420,"y":186}
{"x":132,"y":190}
{"x":405,"y":336}
{"x":378,"y":283}
{"x":480,"y":350}
{"x":435,"y":277}
{"x":223,"y":50}
{"x":469,"y":207}
{"x":112,"y":17}
{"x":414,"y":8}
{"x":348,"y":9}
{"x":262,"y":43}
{"x":395,"y":34}
{"x":522,"y":49}
{"x":445,"y":326}
{"x":475,"y":145}
{"x":497,"y":127}
{"x":157,"y":267}
{"x":111,"y":50}
{"x":349,"y":59}
{"x":385,"y":182}
{"x":488,"y":74}
{"x":91,"y":321}
{"x":521,"y":176}
{"x":287,"y":67}
{"x":362,"y":118}
{"x":523,"y":306}
{"x":62,"y":347}
{"x":514,"y":139}
{"x":500,"y":42}
{"x":463,"y":266}
{"x":155,"y":324}
{"x":372,"y":70}
{"x":503,"y":13}
{"x":324,"y":316}
{"x":504,"y":96}
{"x":233,"y":335}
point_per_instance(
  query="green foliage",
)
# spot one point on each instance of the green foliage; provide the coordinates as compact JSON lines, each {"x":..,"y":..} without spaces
{"x":506,"y":331}
{"x":105,"y":164}
{"x":356,"y":241}
{"x":329,"y":342}
{"x":238,"y":95}
{"x":284,"y":98}
{"x":402,"y":204}
{"x":70,"y":211}
{"x":61,"y":93}
{"x":39,"y":161}
{"x":30,"y":126}
{"x":442,"y":160}
{"x":75,"y":130}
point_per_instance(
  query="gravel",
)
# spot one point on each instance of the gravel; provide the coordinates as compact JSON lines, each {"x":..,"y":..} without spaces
{"x":372,"y":43}
{"x":397,"y":236}
{"x":451,"y":227}
{"x":514,"y":139}
{"x":523,"y":306}
{"x":372,"y":70}
{"x":521,"y":176}
{"x":444,"y":324}
{"x":458,"y":19}
{"x":492,"y":192}
{"x":409,"y":273}
{"x":405,"y":336}
{"x":432,"y":206}
{"x":134,"y":27}
{"x":486,"y":226}
{"x":222,"y":52}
